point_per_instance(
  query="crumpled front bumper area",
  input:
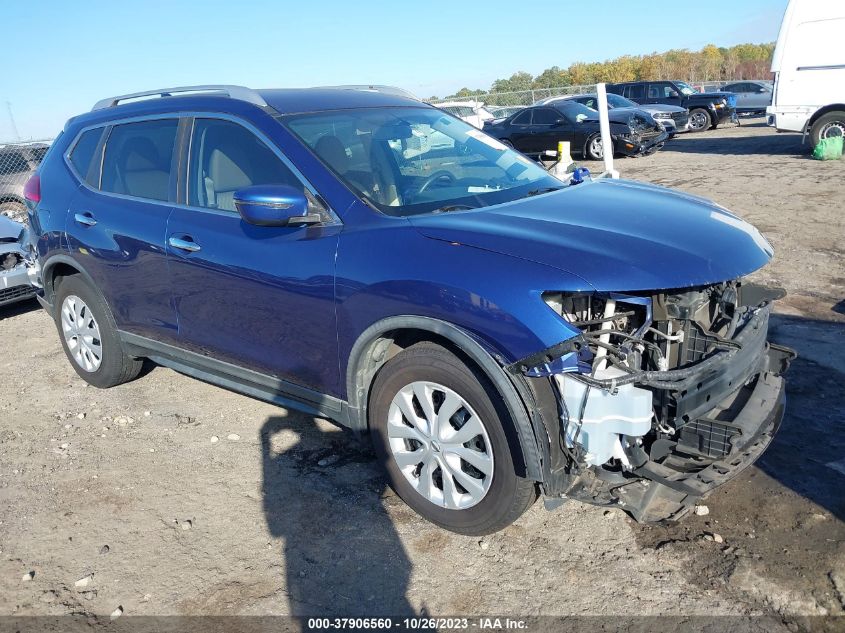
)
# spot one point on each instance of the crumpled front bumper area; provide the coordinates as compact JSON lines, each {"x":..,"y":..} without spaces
{"x":655,"y":491}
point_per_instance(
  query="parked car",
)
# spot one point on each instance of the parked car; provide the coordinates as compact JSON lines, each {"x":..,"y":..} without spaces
{"x":751,"y":96}
{"x":473,"y":112}
{"x":706,"y":109}
{"x":809,"y":92}
{"x":494,"y":329}
{"x":674,"y":119}
{"x":537,"y":129}
{"x":15,"y":282}
{"x":502,"y":112}
{"x":17,"y":164}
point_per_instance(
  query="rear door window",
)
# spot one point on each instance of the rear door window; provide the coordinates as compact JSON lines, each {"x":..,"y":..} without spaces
{"x":545,"y":116}
{"x":138,"y":157}
{"x":635,"y":92}
{"x":82,"y":155}
{"x":523,"y":118}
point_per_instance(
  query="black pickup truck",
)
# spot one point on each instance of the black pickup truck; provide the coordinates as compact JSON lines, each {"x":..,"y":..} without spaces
{"x":706,"y":109}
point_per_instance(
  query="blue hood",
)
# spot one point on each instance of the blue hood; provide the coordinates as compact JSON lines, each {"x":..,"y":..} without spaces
{"x":617,"y":235}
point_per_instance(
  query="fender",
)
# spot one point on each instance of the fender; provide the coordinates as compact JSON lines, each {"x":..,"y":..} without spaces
{"x":368,"y":354}
{"x":46,"y":278}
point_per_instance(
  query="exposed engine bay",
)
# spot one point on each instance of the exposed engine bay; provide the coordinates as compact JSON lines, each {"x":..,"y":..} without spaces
{"x":661,"y":393}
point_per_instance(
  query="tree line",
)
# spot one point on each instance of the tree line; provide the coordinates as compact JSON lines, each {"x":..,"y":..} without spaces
{"x":711,"y":63}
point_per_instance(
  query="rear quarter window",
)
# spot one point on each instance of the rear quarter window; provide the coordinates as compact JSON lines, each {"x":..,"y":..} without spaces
{"x":82,"y":155}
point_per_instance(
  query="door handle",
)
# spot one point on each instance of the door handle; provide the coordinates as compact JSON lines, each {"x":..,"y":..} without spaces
{"x":184,"y":244}
{"x":85,"y":219}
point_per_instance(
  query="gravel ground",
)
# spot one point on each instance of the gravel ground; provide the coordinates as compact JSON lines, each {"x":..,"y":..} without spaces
{"x":169,"y":496}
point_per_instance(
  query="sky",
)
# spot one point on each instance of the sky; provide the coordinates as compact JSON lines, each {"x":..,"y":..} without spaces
{"x":60,"y":57}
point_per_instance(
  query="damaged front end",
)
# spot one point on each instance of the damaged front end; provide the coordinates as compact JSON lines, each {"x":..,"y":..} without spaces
{"x":662,"y":396}
{"x":15,"y":259}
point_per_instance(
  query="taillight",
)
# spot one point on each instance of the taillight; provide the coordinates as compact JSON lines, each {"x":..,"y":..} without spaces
{"x":32,"y":188}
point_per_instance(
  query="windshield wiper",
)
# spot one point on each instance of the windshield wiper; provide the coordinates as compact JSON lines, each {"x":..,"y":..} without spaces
{"x":453,"y":207}
{"x":537,"y":192}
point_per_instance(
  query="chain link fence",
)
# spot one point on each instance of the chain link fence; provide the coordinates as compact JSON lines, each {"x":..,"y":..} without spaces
{"x":530,"y":97}
{"x":18,"y":161}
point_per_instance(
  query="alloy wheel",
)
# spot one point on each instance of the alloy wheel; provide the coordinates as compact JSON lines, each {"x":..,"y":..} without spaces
{"x":596,"y":148}
{"x":698,"y":120}
{"x":440,"y":445}
{"x":82,"y":333}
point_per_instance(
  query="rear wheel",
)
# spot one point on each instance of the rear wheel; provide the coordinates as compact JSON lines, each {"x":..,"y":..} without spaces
{"x":13,"y":210}
{"x":699,"y":120}
{"x":442,"y":433}
{"x":828,"y":125}
{"x":89,"y":335}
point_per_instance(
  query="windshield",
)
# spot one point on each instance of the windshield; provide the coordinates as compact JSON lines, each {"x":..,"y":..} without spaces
{"x":406,"y":161}
{"x":685,"y":88}
{"x":615,"y":101}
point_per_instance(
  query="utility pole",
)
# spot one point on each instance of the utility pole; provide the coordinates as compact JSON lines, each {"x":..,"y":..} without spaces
{"x":12,"y":121}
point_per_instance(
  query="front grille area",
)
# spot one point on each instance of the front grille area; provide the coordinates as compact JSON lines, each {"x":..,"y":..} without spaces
{"x":681,"y":119}
{"x":710,"y":438}
{"x":15,"y":293}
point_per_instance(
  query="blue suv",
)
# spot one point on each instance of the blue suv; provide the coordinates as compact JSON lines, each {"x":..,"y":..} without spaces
{"x":359,"y":255}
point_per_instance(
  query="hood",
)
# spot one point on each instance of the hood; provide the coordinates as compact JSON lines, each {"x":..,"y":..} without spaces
{"x":617,"y":235}
{"x":10,"y":231}
{"x":712,"y":95}
{"x":661,"y":107}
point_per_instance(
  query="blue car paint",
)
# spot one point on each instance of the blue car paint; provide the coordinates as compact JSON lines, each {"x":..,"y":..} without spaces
{"x":303,"y":296}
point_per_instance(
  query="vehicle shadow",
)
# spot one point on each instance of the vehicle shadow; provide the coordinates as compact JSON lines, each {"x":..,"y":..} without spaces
{"x":322,"y":494}
{"x":18,"y":308}
{"x":786,"y":145}
{"x":808,"y":453}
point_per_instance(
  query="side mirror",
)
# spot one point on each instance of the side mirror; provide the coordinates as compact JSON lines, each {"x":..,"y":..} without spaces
{"x":673,"y":93}
{"x":560,"y":121}
{"x":274,"y":205}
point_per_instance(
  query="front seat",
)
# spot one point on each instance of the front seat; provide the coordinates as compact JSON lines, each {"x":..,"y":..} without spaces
{"x":226,"y":172}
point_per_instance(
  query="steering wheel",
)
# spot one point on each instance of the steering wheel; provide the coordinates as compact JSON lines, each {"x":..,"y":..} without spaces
{"x":435,"y":177}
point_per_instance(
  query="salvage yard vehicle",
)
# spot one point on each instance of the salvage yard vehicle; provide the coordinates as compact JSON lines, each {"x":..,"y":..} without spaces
{"x":673,"y":119}
{"x":809,"y":68}
{"x":539,"y":129}
{"x":706,"y":109}
{"x":473,"y":112}
{"x":15,"y":284}
{"x":17,"y":163}
{"x":365,"y":257}
{"x":751,"y":96}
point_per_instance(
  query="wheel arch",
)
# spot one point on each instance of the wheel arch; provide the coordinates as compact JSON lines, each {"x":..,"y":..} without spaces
{"x":61,"y":266}
{"x":386,"y":338}
{"x":834,"y":107}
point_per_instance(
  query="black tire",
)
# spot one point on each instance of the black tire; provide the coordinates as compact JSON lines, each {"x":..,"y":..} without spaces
{"x":509,"y":494}
{"x":14,"y":210}
{"x":589,"y":152}
{"x":702,"y":115}
{"x":116,"y":366}
{"x":830,"y":124}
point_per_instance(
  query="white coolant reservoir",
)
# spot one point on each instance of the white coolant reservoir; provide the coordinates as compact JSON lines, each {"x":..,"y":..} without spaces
{"x":607,"y":416}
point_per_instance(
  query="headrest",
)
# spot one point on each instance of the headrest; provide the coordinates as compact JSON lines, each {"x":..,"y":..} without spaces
{"x":331,"y":149}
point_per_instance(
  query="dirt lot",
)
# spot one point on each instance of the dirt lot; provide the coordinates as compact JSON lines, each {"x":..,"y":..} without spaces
{"x":171,"y":496}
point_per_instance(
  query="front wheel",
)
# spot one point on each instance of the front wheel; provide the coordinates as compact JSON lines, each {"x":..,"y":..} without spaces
{"x":442,"y":432}
{"x":828,"y":126}
{"x":699,"y":120}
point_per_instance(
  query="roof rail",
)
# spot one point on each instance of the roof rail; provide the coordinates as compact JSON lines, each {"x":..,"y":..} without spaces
{"x":390,"y":90}
{"x":234,"y":92}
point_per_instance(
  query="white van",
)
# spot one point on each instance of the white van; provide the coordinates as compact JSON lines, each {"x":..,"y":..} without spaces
{"x":809,"y":68}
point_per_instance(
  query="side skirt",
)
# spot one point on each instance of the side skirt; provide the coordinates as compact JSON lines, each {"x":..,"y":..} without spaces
{"x":239,"y":379}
